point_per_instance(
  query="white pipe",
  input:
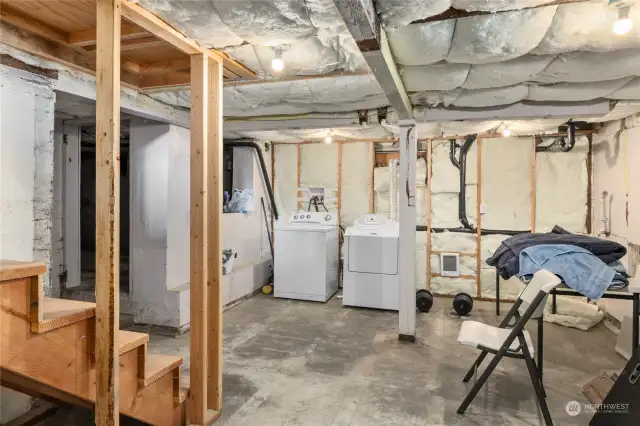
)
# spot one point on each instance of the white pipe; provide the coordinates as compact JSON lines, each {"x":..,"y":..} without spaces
{"x":393,"y":190}
{"x":604,"y":230}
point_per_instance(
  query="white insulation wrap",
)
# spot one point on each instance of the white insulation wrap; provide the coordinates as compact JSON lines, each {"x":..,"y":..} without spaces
{"x":506,"y":183}
{"x":319,"y":168}
{"x":561,"y":196}
{"x":499,"y":37}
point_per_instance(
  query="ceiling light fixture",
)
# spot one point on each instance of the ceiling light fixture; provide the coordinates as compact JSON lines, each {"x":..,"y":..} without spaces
{"x":506,"y":132}
{"x":623,"y":24}
{"x":277,"y":64}
{"x":328,"y":139}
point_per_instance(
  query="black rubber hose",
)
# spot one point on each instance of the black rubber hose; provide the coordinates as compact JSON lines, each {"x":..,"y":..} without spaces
{"x":452,"y":154}
{"x":462,"y":202}
{"x":263,"y":167}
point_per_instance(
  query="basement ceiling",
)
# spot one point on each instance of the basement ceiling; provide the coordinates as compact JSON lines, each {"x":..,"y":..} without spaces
{"x":510,"y":51}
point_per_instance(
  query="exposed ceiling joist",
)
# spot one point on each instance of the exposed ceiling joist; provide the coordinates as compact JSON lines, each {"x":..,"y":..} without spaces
{"x":87,"y":37}
{"x":156,"y":26}
{"x":363,"y":23}
{"x":83,"y":61}
{"x":453,"y":13}
{"x":34,"y":26}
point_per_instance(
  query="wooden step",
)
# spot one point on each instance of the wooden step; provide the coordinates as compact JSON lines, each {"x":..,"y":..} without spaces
{"x":129,"y":340}
{"x":159,"y":365}
{"x":59,"y":313}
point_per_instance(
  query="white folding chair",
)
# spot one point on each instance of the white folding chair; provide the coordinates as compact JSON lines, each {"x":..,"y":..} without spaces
{"x":512,"y":342}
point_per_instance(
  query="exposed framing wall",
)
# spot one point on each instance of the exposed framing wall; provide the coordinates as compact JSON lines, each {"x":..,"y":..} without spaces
{"x":539,"y":168}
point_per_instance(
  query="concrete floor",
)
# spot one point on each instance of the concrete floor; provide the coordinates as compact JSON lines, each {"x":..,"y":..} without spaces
{"x":299,"y":363}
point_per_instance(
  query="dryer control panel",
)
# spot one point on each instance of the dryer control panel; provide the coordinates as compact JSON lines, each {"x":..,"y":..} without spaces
{"x":322,"y":218}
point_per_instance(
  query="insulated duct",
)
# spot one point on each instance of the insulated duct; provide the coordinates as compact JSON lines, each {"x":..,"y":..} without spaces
{"x":263,"y":168}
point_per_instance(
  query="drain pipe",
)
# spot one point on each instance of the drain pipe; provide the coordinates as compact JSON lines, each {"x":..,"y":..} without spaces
{"x":462,"y":165}
{"x":452,"y":154}
{"x":263,"y":168}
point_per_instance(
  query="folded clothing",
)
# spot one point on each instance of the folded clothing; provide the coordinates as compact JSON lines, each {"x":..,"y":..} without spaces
{"x":580,"y":269}
{"x":506,"y":258}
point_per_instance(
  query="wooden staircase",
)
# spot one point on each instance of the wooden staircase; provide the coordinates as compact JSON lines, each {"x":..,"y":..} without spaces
{"x":47,"y":349}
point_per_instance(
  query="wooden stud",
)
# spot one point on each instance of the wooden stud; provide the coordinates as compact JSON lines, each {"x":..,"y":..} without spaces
{"x":299,"y":163}
{"x":214,"y":240}
{"x":199,"y":218}
{"x":273,"y":186}
{"x":339,"y":212}
{"x":533,"y":188}
{"x":428,"y":197}
{"x":107,"y":212}
{"x":372,"y":166}
{"x":479,"y":221}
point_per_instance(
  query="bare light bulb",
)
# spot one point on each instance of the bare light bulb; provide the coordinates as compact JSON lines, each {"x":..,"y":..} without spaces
{"x":277,"y":64}
{"x":506,"y":132}
{"x":328,"y":139}
{"x":623,"y":24}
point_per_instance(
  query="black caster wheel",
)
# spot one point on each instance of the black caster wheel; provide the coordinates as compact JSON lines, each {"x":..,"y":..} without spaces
{"x":424,"y":300}
{"x":462,"y":304}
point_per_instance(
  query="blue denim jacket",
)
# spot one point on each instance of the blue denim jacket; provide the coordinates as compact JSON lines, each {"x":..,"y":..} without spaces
{"x":579,"y":268}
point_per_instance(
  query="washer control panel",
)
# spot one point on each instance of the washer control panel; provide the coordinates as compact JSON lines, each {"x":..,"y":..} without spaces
{"x":322,"y":218}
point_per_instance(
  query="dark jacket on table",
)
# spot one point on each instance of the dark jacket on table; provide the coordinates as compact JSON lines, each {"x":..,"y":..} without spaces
{"x":506,"y":258}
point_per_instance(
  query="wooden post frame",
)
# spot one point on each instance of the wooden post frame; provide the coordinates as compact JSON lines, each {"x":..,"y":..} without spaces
{"x":299,"y":160}
{"x":198,"y":249}
{"x":107,"y":212}
{"x":372,"y":166}
{"x":479,"y":220}
{"x":428,"y":211}
{"x":214,"y":231}
{"x":534,"y":188}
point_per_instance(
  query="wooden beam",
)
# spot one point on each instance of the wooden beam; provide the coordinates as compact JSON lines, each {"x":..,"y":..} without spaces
{"x":197,"y":403}
{"x":363,"y":23}
{"x":533,"y":184}
{"x":56,"y":52}
{"x":107,"y":212}
{"x":174,"y":65}
{"x":173,"y":81}
{"x":372,"y":166}
{"x":87,"y":37}
{"x":428,"y":199}
{"x":298,"y":161}
{"x":339,"y":209}
{"x":156,"y":26}
{"x":479,"y":220}
{"x":30,"y":24}
{"x":214,"y":236}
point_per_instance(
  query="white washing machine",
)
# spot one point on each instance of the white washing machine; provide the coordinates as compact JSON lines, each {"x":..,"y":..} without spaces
{"x":370,"y":276}
{"x":306,"y":256}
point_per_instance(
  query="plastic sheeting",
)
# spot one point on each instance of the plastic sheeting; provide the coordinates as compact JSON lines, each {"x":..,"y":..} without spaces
{"x":355,"y":181}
